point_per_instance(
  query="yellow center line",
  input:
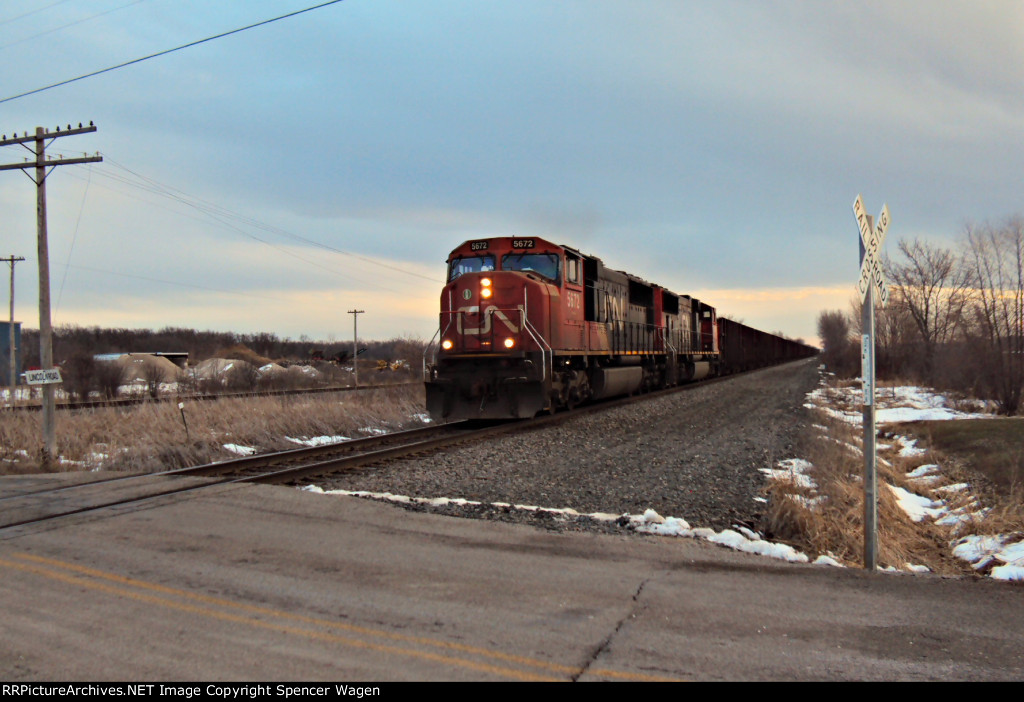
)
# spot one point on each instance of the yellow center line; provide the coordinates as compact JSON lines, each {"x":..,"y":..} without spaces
{"x":240,"y":619}
{"x":280,"y":614}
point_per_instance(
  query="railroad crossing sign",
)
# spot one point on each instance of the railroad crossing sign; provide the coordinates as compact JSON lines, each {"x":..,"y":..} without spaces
{"x":871,"y":279}
{"x":872,"y":236}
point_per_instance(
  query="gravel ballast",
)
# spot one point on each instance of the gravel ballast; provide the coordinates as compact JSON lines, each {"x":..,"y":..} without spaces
{"x":695,"y":454}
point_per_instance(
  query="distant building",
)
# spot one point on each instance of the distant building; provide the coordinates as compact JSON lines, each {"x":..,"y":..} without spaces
{"x":178,"y":358}
{"x":5,"y":352}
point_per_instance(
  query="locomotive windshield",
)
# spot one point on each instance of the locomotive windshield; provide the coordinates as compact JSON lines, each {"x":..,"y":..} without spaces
{"x":542,"y":264}
{"x":469,"y":264}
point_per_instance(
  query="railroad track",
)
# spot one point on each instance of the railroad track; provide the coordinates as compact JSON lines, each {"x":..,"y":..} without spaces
{"x":129,"y":401}
{"x":283,"y":467}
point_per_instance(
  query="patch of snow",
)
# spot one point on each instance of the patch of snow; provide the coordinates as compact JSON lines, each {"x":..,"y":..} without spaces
{"x":909,"y":447}
{"x":922,"y":471}
{"x":318,"y":440}
{"x":752,"y":535}
{"x":979,"y":551}
{"x":240,"y":450}
{"x":650,"y":522}
{"x":828,"y":560}
{"x":792,"y":470}
{"x":916,"y":506}
{"x":1008,"y":572}
{"x":811,"y":504}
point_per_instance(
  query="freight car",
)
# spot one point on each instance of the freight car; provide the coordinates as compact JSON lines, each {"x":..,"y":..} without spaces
{"x":527,"y":326}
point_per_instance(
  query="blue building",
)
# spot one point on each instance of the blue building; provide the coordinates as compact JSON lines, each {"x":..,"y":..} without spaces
{"x":5,"y":353}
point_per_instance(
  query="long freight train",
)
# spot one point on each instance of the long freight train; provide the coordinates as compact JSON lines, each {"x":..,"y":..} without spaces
{"x":527,"y":325}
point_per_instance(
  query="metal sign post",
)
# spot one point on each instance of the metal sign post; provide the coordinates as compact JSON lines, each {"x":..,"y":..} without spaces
{"x":870,"y":285}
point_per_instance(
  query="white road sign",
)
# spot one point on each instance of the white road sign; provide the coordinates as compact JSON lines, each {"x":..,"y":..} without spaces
{"x":867,"y":349}
{"x":43,"y":377}
{"x":873,"y":236}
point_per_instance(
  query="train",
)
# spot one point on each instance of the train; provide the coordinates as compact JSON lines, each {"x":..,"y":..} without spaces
{"x":528,"y":326}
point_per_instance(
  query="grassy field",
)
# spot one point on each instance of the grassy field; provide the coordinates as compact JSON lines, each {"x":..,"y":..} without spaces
{"x":821,"y":511}
{"x":993,"y":448}
{"x":153,"y":436}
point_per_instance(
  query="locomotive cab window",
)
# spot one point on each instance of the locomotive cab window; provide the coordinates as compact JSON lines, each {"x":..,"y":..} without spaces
{"x":469,"y":264}
{"x":572,"y":270}
{"x":545,"y":265}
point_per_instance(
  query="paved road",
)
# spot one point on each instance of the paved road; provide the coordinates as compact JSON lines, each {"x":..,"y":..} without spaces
{"x":270,"y":583}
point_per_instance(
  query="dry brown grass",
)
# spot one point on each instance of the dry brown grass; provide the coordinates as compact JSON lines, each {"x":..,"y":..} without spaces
{"x":834,"y":523}
{"x":151,"y":436}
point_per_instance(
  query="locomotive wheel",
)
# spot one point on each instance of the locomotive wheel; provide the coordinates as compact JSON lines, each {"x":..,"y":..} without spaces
{"x":572,"y":400}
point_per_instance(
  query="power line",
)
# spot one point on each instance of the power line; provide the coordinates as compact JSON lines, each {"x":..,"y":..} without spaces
{"x":178,"y":283}
{"x":32,"y":12}
{"x":74,"y":237}
{"x":214,"y":210}
{"x":229,"y":226}
{"x":69,"y":24}
{"x":170,"y":51}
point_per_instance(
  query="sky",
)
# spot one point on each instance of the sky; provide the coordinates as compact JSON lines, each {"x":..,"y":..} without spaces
{"x":274,"y":179}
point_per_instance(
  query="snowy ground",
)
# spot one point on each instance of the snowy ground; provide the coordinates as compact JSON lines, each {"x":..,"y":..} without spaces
{"x":1001,"y":555}
{"x":895,"y":405}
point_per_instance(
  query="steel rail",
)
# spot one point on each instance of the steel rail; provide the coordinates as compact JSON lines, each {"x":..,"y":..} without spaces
{"x":200,"y":397}
{"x":240,"y":470}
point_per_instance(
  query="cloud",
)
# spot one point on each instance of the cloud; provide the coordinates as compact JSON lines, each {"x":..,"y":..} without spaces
{"x":701,"y":145}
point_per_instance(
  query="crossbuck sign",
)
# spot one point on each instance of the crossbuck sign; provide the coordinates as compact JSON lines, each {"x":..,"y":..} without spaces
{"x":872,"y":237}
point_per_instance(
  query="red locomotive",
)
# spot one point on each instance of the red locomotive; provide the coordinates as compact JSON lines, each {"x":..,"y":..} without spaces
{"x":527,"y":326}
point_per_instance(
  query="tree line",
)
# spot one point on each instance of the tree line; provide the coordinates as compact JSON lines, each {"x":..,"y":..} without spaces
{"x":75,"y":348}
{"x":955,"y":318}
{"x":72,"y":340}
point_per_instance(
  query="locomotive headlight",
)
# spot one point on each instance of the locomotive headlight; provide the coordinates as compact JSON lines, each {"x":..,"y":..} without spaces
{"x":447,"y":344}
{"x":486,"y":282}
{"x":510,"y":343}
{"x":486,"y":293}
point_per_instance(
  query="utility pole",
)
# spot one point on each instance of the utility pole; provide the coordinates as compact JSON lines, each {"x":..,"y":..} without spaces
{"x":10,"y":347}
{"x":40,"y":165}
{"x":355,"y":342}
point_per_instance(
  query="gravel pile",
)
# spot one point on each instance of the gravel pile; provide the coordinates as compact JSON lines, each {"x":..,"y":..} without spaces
{"x":693,"y":455}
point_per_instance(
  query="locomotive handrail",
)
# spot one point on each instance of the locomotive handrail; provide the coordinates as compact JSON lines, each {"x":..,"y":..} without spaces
{"x":541,"y":343}
{"x":430,"y":347}
{"x":538,"y":338}
{"x":439,"y":332}
{"x":665,"y":338}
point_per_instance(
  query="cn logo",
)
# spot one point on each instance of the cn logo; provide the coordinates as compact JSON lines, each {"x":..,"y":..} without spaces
{"x":489,"y":314}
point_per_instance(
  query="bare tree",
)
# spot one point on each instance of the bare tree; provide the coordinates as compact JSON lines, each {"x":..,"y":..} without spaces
{"x":79,"y":376}
{"x":243,"y":377}
{"x":110,"y":376}
{"x":152,"y":375}
{"x":932,"y":285}
{"x":997,"y":258}
{"x":840,"y":353}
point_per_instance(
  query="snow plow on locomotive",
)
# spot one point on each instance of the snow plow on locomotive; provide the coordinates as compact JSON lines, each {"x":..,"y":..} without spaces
{"x":527,"y":326}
